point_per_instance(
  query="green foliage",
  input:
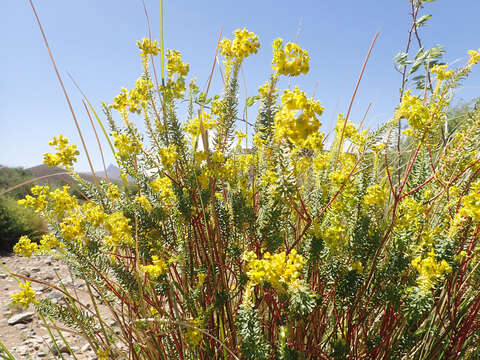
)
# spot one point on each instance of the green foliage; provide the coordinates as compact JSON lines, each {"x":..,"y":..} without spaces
{"x":15,"y":222}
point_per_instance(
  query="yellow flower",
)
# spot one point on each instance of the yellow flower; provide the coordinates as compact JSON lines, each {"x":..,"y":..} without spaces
{"x":143,"y":201}
{"x":94,"y":214}
{"x":376,"y":195}
{"x":25,"y":296}
{"x":442,"y":72}
{"x":112,"y":192}
{"x":412,"y":109}
{"x":279,"y":270}
{"x":297,"y":128}
{"x":148,"y":47}
{"x":66,"y":154}
{"x":49,"y":242}
{"x":193,"y":335}
{"x":156,"y":269}
{"x":175,"y":64}
{"x":38,"y":203}
{"x":120,"y":230}
{"x":162,"y":186}
{"x":193,"y":127}
{"x":243,"y":45}
{"x":168,"y":156}
{"x":25,"y":247}
{"x":430,"y":270}
{"x":474,"y":57}
{"x":126,"y":145}
{"x":291,"y":60}
{"x":62,"y":201}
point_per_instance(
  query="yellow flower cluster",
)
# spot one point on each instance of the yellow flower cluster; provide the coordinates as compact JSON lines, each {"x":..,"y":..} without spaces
{"x":193,"y":335}
{"x":126,"y":145}
{"x":38,"y":203}
{"x":25,"y":247}
{"x":62,"y":201}
{"x":474,"y":57}
{"x":133,"y":100}
{"x":148,"y":47}
{"x":297,"y":128}
{"x":162,"y":186}
{"x":351,"y":132}
{"x":267,"y":89}
{"x":49,"y":242}
{"x":120,"y":230}
{"x":168,"y":156}
{"x":112,"y":192}
{"x":66,"y":154}
{"x":280,"y":270}
{"x":471,"y":203}
{"x":376,"y":196}
{"x":291,"y":60}
{"x":25,"y":296}
{"x":156,"y":269}
{"x":430,"y":270}
{"x":143,"y":202}
{"x":442,"y":72}
{"x":243,"y":45}
{"x":412,"y":109}
{"x":175,"y":64}
{"x":335,"y":235}
{"x":193,"y":127}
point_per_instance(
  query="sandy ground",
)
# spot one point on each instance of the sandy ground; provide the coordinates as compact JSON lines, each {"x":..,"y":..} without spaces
{"x":29,"y":339}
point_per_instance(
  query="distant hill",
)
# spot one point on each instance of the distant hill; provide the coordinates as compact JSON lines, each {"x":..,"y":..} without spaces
{"x":113,"y":172}
{"x":55,"y":175}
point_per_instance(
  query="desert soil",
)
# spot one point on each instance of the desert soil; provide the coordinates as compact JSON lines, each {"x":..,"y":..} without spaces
{"x":21,"y":330}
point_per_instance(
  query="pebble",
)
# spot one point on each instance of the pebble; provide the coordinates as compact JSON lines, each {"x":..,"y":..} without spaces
{"x":21,"y":318}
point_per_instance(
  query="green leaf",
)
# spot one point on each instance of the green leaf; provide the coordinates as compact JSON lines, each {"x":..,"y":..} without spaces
{"x":251,"y":100}
{"x":422,"y":21}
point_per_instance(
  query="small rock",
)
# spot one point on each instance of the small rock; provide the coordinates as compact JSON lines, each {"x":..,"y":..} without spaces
{"x":61,"y":346}
{"x":35,"y":270}
{"x":85,"y":347}
{"x":20,"y":326}
{"x":24,"y":317}
{"x":55,"y":296}
{"x":3,"y":276}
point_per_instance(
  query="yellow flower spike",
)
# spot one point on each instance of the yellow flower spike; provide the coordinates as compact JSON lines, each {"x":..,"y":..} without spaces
{"x":25,"y":296}
{"x":376,"y":196}
{"x":126,"y":145}
{"x":295,"y":126}
{"x":289,"y":60}
{"x":144,"y":203}
{"x":413,"y":109}
{"x":193,"y":126}
{"x":66,"y":154}
{"x":49,"y":242}
{"x":162,"y":186}
{"x":168,"y":156}
{"x":175,"y":64}
{"x":474,"y":57}
{"x":156,"y":269}
{"x":120,"y":230}
{"x":280,"y":271}
{"x":113,"y":192}
{"x":25,"y":247}
{"x":243,"y":45}
{"x":442,"y":72}
{"x":148,"y":47}
{"x":430,"y":270}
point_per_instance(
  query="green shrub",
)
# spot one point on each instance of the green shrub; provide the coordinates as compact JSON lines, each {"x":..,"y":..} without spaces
{"x":16,"y":221}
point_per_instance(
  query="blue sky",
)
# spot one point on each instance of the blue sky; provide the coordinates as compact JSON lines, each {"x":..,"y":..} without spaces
{"x":96,"y":41}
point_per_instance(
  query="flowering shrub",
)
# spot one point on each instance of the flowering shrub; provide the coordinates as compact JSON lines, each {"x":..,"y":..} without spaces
{"x":287,"y":250}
